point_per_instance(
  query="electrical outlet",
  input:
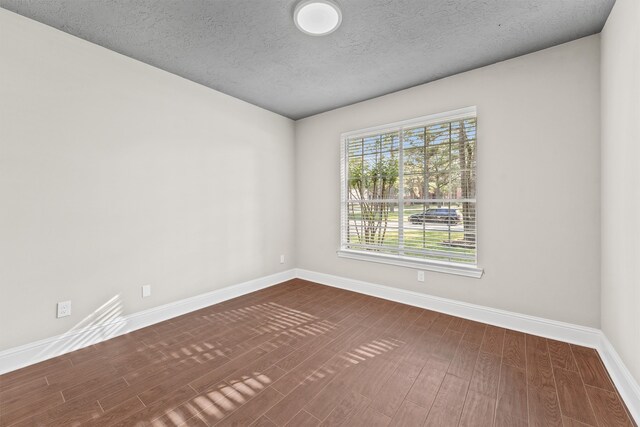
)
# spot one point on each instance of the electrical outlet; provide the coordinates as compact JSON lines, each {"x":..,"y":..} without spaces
{"x":146,"y":291}
{"x":420,"y":276}
{"x":281,"y":259}
{"x":64,"y":308}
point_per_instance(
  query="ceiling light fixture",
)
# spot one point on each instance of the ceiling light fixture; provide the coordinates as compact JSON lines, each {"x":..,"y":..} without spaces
{"x":317,"y":17}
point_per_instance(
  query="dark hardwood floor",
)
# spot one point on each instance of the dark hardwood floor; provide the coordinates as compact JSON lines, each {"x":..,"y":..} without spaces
{"x":302,"y":354}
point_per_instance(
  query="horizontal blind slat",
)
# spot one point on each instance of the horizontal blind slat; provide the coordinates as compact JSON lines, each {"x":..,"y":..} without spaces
{"x":438,"y":165}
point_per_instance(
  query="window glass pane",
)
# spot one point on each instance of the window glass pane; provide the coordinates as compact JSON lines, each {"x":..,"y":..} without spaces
{"x":439,"y":158}
{"x":371,"y":144}
{"x":376,"y":143}
{"x":455,"y":186}
{"x":414,"y":186}
{"x":415,"y":161}
{"x":390,"y":142}
{"x":373,"y":172}
{"x":463,"y":154}
{"x":413,"y":138}
{"x":354,"y":147}
{"x":439,"y":187}
{"x":373,"y":177}
{"x":438,"y":230}
{"x":438,"y":176}
{"x":415,"y":173}
{"x":464,"y":185}
{"x":438,"y":134}
{"x":372,"y":224}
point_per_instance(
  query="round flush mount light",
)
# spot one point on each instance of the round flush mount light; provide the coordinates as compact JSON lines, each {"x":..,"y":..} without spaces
{"x":317,"y":17}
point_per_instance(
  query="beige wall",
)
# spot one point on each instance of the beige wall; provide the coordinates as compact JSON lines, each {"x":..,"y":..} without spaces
{"x":621,"y":182}
{"x":114,"y":174}
{"x":538,"y":183}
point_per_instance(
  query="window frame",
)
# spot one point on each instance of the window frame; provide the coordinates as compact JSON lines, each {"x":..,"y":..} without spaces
{"x":469,"y":270}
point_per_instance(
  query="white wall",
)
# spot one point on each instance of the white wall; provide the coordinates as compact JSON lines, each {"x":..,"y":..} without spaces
{"x":114,"y":174}
{"x":621,"y":182}
{"x":538,"y":183}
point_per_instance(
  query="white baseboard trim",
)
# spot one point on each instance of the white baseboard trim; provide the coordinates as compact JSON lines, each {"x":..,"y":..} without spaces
{"x":28,"y":354}
{"x":568,"y":332}
{"x":575,"y":334}
{"x":625,"y":383}
{"x":38,"y":351}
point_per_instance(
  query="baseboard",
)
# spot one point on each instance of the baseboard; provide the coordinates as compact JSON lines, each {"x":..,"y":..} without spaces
{"x":575,"y":334}
{"x":628,"y":387}
{"x":589,"y":337}
{"x":625,"y":382}
{"x":28,"y":354}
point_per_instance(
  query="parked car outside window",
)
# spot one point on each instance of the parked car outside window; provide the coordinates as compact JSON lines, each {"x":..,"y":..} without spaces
{"x":446,"y":215}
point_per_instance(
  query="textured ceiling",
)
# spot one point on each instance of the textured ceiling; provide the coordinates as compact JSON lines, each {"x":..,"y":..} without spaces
{"x":252,"y":50}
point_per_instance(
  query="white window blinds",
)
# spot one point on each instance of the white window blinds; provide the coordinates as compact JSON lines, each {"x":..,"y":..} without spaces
{"x":409,"y":189}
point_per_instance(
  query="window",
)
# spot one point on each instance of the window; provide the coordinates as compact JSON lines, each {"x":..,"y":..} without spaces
{"x":409,"y":193}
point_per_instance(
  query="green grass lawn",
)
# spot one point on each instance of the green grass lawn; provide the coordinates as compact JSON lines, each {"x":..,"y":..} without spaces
{"x":427,"y":239}
{"x":421,"y":238}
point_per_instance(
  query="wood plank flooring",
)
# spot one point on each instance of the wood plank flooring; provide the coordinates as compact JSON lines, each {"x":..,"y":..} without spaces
{"x":302,"y":354}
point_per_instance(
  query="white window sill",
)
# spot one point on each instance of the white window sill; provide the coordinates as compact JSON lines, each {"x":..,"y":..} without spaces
{"x":439,"y":266}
